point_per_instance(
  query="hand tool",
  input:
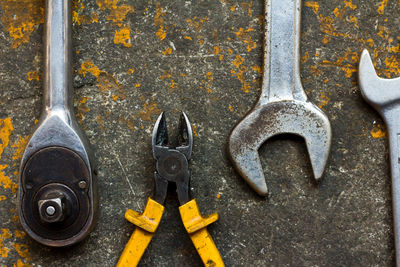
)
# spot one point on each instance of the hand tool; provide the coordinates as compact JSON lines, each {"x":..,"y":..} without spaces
{"x":172,"y":167}
{"x":57,"y":192}
{"x":283,"y":106}
{"x":384,"y":96}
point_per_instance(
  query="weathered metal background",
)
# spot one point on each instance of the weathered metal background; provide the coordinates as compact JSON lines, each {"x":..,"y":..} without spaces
{"x":136,"y":58}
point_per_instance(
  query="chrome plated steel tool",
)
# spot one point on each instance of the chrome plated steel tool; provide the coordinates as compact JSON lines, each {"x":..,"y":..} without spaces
{"x":57,"y":193}
{"x":384,"y":96}
{"x":283,"y":106}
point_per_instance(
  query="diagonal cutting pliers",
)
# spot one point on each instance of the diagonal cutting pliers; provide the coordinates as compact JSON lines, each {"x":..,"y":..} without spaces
{"x":171,"y":167}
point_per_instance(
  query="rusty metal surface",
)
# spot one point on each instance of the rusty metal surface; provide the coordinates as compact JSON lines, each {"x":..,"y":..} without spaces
{"x":133,"y":59}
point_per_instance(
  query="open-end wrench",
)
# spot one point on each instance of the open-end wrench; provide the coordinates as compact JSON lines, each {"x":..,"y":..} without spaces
{"x":384,"y":96}
{"x":283,"y":106}
{"x":57,"y":193}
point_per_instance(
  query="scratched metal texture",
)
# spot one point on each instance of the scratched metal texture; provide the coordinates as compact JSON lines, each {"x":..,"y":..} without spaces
{"x":135,"y":58}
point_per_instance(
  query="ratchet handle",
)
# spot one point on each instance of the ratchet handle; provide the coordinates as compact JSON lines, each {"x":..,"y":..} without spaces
{"x":146,"y":225}
{"x":196,"y":226}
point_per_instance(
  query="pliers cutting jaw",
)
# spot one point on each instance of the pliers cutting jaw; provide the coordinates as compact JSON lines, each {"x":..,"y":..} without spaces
{"x":172,"y":164}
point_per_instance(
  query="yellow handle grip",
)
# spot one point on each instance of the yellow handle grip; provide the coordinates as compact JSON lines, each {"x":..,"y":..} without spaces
{"x":147,"y":224}
{"x":196,"y":226}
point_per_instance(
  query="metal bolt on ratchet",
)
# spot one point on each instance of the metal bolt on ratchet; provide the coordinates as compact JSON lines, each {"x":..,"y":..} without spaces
{"x":57,"y":195}
{"x":283,"y":106}
{"x":172,"y":165}
{"x":384,"y":96}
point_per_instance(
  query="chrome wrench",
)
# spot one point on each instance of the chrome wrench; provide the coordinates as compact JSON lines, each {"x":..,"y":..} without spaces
{"x":57,"y":192}
{"x":384,"y":96}
{"x":283,"y":106}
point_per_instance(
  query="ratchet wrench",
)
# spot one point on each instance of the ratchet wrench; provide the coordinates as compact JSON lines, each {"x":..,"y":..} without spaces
{"x":57,"y":192}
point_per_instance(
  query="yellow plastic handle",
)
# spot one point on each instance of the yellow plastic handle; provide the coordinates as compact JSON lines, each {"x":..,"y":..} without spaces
{"x":196,"y":226}
{"x":147,"y":224}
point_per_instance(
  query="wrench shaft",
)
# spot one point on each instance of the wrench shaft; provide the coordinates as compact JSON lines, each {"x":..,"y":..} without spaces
{"x":282,"y":45}
{"x":391,"y":116}
{"x":57,"y":80}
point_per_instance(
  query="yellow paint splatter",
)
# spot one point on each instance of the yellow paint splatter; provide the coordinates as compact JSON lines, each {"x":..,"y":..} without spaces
{"x":20,"y":263}
{"x":118,"y":13}
{"x":247,"y":6}
{"x":313,"y":5}
{"x":22,"y":250}
{"x":167,"y":51}
{"x":378,"y":131}
{"x":148,"y":111}
{"x":5,"y":234}
{"x":257,"y":69}
{"x":20,"y":18}
{"x":77,"y":18}
{"x":210,"y":79}
{"x":305,"y":58}
{"x":238,"y":61}
{"x":20,"y":145}
{"x":218,"y":196}
{"x":245,"y":37}
{"x":240,"y":76}
{"x":33,"y":75}
{"x":88,"y":66}
{"x":123,"y":36}
{"x":195,"y":132}
{"x":19,"y":234}
{"x":324,"y":100}
{"x":347,"y":68}
{"x":131,"y":71}
{"x":2,"y":198}
{"x":197,"y":23}
{"x":159,"y":21}
{"x":231,"y":108}
{"x":381,"y":8}
{"x":187,"y":38}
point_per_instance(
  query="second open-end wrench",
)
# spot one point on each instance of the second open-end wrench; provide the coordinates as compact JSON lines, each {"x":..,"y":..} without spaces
{"x":57,"y":193}
{"x":283,"y":106}
{"x":384,"y":96}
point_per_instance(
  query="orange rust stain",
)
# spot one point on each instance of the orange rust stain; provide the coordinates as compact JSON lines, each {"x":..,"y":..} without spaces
{"x":148,"y":111}
{"x":20,"y":18}
{"x":159,"y":21}
{"x":238,"y":61}
{"x":313,"y":5}
{"x":245,"y":37}
{"x":378,"y":131}
{"x":167,"y":51}
{"x":217,"y":50}
{"x":33,"y":75}
{"x":381,"y":8}
{"x":305,"y":58}
{"x":188,"y":38}
{"x":118,"y":13}
{"x":20,"y":145}
{"x":123,"y":36}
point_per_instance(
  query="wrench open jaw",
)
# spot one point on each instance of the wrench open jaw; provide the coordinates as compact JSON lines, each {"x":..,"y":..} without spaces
{"x":283,"y":106}
{"x":264,"y":122}
{"x":384,"y":96}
